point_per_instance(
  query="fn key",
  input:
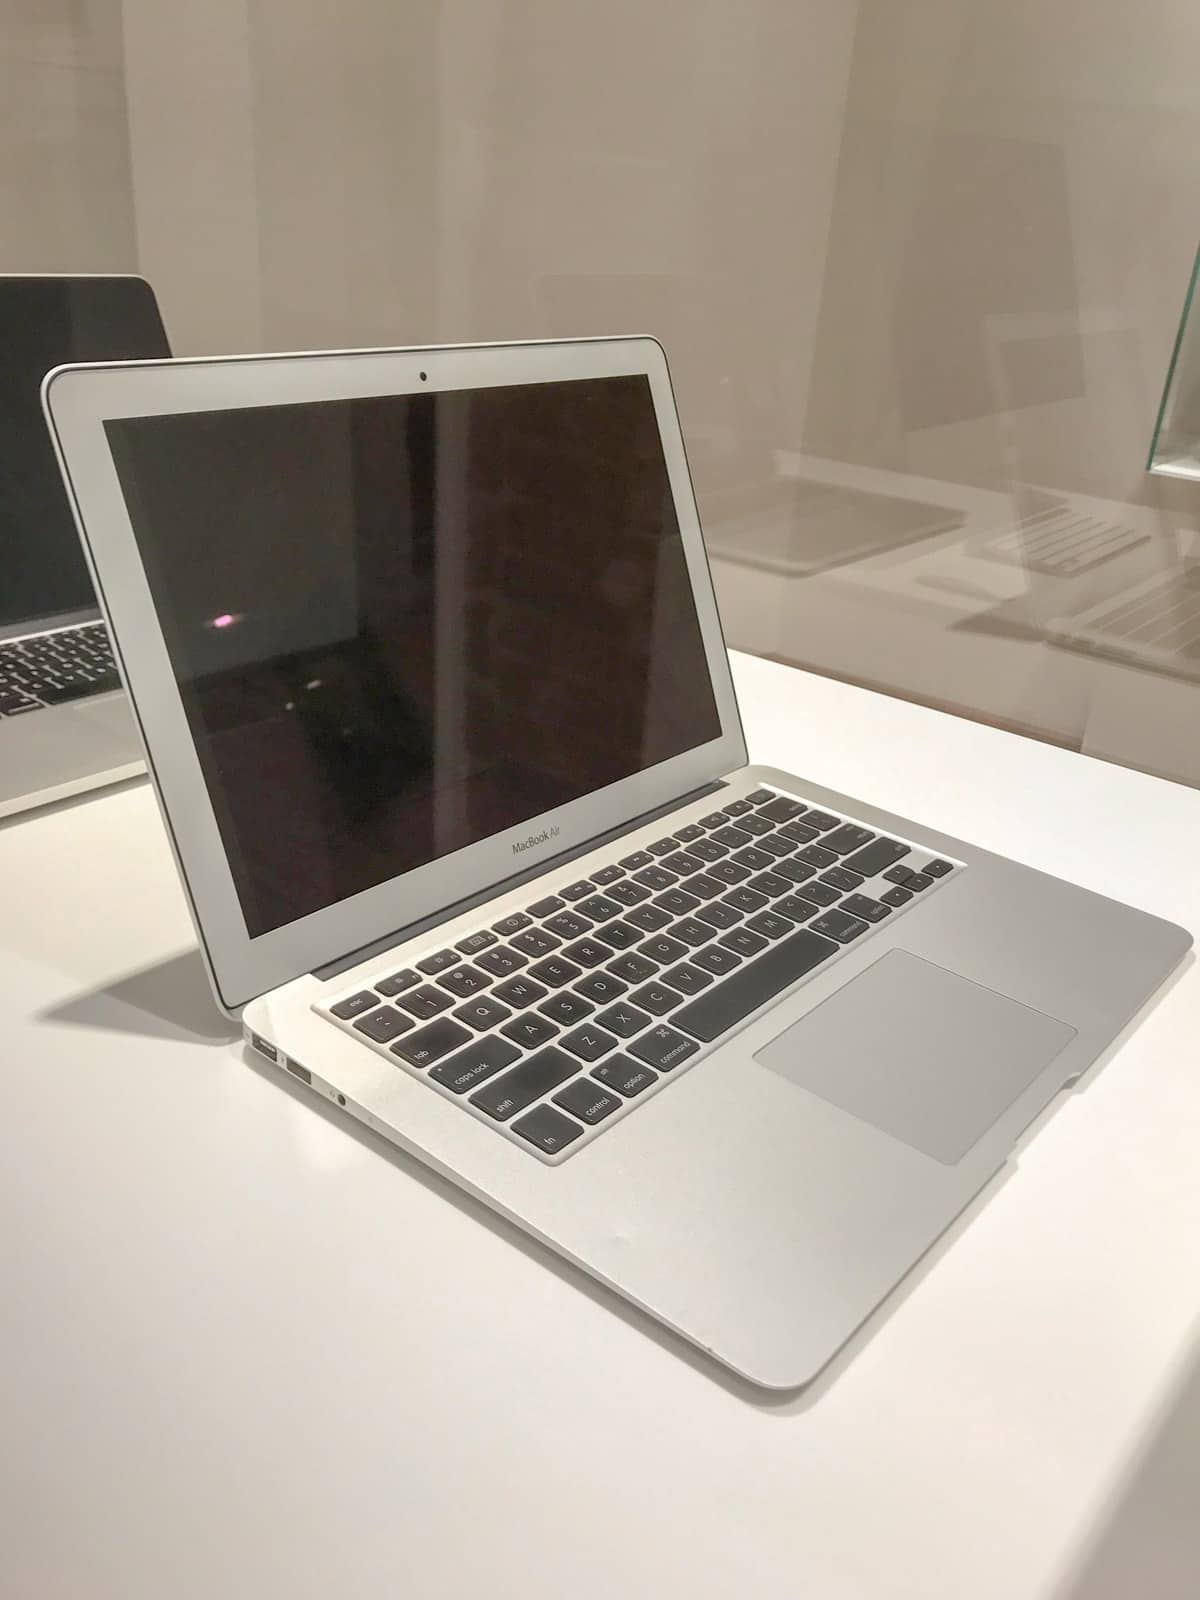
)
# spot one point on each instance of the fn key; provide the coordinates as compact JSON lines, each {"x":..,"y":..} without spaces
{"x":548,"y":1129}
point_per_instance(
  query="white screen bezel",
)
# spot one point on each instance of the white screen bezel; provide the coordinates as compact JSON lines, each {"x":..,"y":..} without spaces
{"x":79,"y":400}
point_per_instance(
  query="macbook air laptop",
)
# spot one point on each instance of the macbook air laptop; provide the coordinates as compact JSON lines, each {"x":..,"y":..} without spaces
{"x":427,"y":661}
{"x":64,"y":724}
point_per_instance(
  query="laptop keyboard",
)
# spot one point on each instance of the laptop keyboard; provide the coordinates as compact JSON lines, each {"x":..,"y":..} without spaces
{"x":554,"y":1022}
{"x":49,"y":669}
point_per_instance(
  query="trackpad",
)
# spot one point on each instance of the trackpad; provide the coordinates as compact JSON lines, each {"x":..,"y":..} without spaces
{"x":918,"y":1052}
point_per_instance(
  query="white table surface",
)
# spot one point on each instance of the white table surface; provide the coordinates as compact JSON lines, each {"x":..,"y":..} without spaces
{"x":248,"y":1350}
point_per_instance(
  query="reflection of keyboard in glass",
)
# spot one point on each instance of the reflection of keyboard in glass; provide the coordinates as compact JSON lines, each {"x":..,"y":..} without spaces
{"x":1061,"y":543}
{"x":563,"y":1014}
{"x":1163,"y":616}
{"x":49,"y":669}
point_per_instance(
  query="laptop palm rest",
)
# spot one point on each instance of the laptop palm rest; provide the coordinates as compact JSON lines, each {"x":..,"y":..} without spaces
{"x":918,"y":1052}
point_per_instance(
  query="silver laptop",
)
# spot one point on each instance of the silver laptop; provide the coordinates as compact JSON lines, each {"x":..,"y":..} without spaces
{"x":427,"y":661}
{"x":64,"y":724}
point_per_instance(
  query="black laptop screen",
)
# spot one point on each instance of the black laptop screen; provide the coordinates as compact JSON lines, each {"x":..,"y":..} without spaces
{"x":43,"y":322}
{"x":402,"y":624}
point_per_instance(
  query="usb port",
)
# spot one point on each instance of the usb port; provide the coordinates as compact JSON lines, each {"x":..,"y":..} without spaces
{"x":263,"y":1048}
{"x":297,"y":1071}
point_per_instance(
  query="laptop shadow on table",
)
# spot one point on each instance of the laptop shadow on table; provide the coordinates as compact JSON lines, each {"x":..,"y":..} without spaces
{"x":169,"y":1000}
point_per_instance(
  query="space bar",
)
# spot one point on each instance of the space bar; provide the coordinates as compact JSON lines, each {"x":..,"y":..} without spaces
{"x":748,"y":989}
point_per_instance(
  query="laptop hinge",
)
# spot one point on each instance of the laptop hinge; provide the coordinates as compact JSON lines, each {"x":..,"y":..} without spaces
{"x":447,"y":914}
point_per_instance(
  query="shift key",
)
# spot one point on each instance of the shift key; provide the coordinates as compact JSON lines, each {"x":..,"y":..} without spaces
{"x":505,"y":1096}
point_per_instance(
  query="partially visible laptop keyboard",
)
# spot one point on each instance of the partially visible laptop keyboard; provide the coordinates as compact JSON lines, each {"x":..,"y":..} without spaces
{"x":553,"y":1022}
{"x":49,"y":669}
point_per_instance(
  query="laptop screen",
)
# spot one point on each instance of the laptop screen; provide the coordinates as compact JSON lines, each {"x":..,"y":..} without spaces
{"x":43,"y":322}
{"x":401,"y":624}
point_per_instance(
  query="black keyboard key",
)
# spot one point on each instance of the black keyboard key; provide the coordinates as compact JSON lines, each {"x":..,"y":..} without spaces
{"x":355,"y":1005}
{"x":474,"y":943}
{"x":760,"y":796}
{"x":518,"y":992}
{"x":718,"y":915}
{"x":838,"y":925}
{"x":535,"y":942}
{"x":397,"y":983}
{"x":729,"y":872}
{"x":546,"y":907}
{"x":692,"y":831}
{"x":714,"y":959}
{"x":656,"y":998}
{"x":662,"y":948}
{"x":529,"y":1030}
{"x":599,"y":908}
{"x":899,"y":874}
{"x":707,"y":850}
{"x":588,"y":952}
{"x":438,"y":962}
{"x":510,"y":925}
{"x":821,"y":894}
{"x":771,"y":926}
{"x":861,"y":905}
{"x":682,"y":863}
{"x":726,"y":1004}
{"x":566,"y":1008}
{"x":425,"y":1002}
{"x":536,"y":1076}
{"x":663,"y":1048}
{"x":555,"y":971}
{"x":896,"y":896}
{"x":625,"y":1076}
{"x":586,"y":1100}
{"x":755,"y":824}
{"x":639,"y":858}
{"x":798,"y":910}
{"x":483,"y":1012}
{"x":589,"y":1043}
{"x":742,"y":942}
{"x":430,"y":1044}
{"x":745,"y":900}
{"x":714,"y":819}
{"x":877,"y":855}
{"x":733,"y":838}
{"x":676,"y":903}
{"x":769,"y":883}
{"x":548,"y":1129}
{"x":568,"y":925}
{"x":600,"y":987}
{"x":633,"y":968}
{"x":846,"y":838}
{"x":623,"y":1019}
{"x":661,"y":847}
{"x":477,"y":1062}
{"x":938,"y":868}
{"x":757,"y":860}
{"x":629,"y":893}
{"x":781,"y":809}
{"x":799,"y":832}
{"x":501,"y":961}
{"x":655,"y":878}
{"x":687,"y":979}
{"x":839,"y":878}
{"x":776,"y":845}
{"x":464,"y":981}
{"x":702,"y":886}
{"x":606,"y":875}
{"x":619,"y":935}
{"x":817,"y":856}
{"x":691,"y":931}
{"x":384,"y":1025}
{"x":576,"y":891}
{"x":917,"y":881}
{"x":737,"y":808}
{"x":649,"y":918}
